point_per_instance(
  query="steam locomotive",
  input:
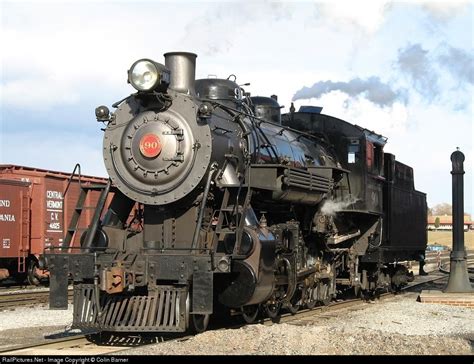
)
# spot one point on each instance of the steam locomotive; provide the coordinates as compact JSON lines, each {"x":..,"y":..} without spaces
{"x":237,"y":207}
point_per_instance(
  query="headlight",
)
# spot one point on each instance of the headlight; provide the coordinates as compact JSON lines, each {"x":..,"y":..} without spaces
{"x":146,"y":75}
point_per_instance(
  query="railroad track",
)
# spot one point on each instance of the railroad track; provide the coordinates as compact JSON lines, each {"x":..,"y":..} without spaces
{"x":94,"y":345}
{"x":74,"y":345}
{"x":443,"y":257}
{"x":10,"y":287}
{"x":15,"y":299}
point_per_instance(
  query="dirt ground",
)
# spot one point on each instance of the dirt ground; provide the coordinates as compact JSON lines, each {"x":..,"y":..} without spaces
{"x":446,"y":238}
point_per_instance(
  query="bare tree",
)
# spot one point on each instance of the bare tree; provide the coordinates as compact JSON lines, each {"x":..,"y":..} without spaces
{"x":442,"y":209}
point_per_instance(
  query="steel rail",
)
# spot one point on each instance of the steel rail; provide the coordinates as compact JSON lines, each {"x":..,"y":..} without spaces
{"x":12,"y":300}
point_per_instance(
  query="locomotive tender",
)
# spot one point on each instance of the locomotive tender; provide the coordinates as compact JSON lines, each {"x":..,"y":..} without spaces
{"x":239,"y":208}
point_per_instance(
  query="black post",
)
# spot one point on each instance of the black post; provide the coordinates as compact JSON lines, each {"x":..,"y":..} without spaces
{"x":458,"y":276}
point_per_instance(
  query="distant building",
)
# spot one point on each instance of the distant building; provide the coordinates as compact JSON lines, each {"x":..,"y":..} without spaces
{"x":446,"y":223}
{"x":436,"y":247}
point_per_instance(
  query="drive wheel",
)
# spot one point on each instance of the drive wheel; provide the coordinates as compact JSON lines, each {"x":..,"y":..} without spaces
{"x":293,"y":308}
{"x":295,"y":303}
{"x":200,"y":322}
{"x":273,"y":310}
{"x":312,"y":297}
{"x":324,"y":297}
{"x":357,"y":291}
{"x":326,"y":301}
{"x":250,"y":313}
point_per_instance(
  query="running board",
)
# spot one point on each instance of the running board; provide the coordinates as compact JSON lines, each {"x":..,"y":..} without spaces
{"x":340,"y":238}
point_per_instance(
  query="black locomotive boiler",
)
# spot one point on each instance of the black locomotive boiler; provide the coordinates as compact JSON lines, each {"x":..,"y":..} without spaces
{"x":237,"y":207}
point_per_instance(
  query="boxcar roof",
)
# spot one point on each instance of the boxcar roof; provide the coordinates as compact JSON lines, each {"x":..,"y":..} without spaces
{"x":5,"y":168}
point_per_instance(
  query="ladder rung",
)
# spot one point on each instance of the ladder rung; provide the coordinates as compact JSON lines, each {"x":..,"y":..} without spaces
{"x":93,"y":187}
{"x":85,"y":208}
{"x":77,"y":229}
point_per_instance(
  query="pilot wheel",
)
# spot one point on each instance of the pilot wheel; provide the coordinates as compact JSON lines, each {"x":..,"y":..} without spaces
{"x":250,"y":313}
{"x":200,"y":322}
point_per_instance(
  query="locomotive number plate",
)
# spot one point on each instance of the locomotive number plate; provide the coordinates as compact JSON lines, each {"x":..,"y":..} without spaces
{"x":150,"y":145}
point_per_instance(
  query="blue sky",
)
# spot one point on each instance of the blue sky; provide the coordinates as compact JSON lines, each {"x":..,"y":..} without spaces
{"x":403,"y":69}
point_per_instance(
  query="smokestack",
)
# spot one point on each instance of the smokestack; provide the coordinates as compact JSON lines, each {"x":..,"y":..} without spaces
{"x":182,"y":66}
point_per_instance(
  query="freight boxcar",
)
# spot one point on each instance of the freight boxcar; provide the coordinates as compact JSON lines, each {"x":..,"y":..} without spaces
{"x":36,"y":206}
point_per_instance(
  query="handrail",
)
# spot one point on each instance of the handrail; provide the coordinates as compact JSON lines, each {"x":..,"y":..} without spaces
{"x":52,"y":249}
{"x":69,"y":181}
{"x":77,"y":166}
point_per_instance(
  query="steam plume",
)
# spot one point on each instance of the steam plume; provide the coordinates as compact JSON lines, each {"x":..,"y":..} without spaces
{"x":331,"y":207}
{"x":459,"y":63}
{"x":372,"y":88}
{"x":416,"y":63}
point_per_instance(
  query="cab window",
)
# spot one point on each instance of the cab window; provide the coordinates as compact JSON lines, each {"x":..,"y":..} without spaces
{"x":353,"y":152}
{"x":374,"y":158}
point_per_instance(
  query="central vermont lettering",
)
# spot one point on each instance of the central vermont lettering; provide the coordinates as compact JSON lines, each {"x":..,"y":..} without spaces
{"x":50,"y":204}
{"x":54,"y":200}
{"x":54,"y":194}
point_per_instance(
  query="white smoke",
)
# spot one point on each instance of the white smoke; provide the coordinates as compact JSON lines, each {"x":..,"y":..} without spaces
{"x":416,"y":62}
{"x":424,"y":67}
{"x":443,"y":11}
{"x":366,"y":16}
{"x":373,"y":89}
{"x":331,"y":207}
{"x":459,"y":63}
{"x":214,"y":31}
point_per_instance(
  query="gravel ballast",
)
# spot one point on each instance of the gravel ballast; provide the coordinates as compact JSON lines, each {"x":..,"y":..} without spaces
{"x":398,"y":325}
{"x":28,"y":325}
